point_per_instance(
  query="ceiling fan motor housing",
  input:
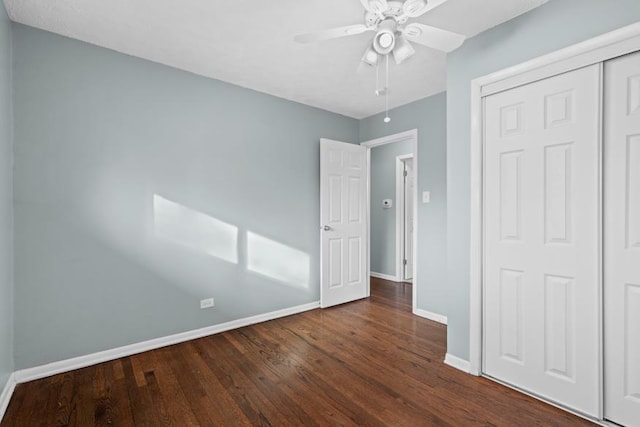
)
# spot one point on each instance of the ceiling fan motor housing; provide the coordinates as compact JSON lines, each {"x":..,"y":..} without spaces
{"x":394,"y":12}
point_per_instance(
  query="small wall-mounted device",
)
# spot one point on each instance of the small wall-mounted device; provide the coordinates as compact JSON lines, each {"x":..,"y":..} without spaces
{"x":206,"y":303}
{"x":387,"y":204}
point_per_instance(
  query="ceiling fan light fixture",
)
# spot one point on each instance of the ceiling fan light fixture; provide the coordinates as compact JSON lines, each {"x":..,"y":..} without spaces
{"x":415,"y":8}
{"x":403,"y":50}
{"x":370,"y":57}
{"x":384,"y":41}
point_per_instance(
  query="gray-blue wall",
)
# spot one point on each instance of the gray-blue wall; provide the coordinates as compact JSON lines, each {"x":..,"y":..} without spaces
{"x":383,"y":221}
{"x":428,"y":115}
{"x":557,"y":24}
{"x":141,"y":189}
{"x":6,"y":257}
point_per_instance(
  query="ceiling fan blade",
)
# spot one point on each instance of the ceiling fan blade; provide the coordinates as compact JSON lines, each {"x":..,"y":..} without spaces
{"x":415,"y":8}
{"x":333,"y":33}
{"x":432,"y":37}
{"x":375,"y":6}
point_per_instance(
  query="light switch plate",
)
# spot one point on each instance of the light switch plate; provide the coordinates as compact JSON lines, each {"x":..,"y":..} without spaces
{"x":426,"y":196}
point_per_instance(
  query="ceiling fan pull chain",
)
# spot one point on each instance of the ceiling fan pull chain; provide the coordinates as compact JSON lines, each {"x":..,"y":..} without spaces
{"x":387,"y":119}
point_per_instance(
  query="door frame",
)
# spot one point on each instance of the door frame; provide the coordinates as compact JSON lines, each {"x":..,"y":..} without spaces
{"x":401,"y":215}
{"x":593,"y":51}
{"x":410,"y":135}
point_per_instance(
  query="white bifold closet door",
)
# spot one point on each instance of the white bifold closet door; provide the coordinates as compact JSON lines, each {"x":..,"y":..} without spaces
{"x":622,"y":240}
{"x":541,"y":266}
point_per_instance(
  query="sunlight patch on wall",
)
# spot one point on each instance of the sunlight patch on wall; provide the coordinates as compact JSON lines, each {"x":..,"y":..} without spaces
{"x":195,"y":230}
{"x":277,"y":261}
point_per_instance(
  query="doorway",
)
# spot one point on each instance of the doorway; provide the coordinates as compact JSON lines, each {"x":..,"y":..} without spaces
{"x":392,"y":208}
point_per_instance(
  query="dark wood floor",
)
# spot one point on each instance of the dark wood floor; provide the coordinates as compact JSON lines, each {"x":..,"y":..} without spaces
{"x":370,"y":362}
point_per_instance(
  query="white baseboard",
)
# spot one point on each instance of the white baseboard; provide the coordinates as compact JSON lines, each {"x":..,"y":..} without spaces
{"x":6,"y":394}
{"x":457,"y":363}
{"x":431,"y":316}
{"x":384,"y":276}
{"x":54,"y":368}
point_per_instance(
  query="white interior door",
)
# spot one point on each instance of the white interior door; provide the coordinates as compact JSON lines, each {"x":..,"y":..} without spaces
{"x":408,"y":219}
{"x":343,"y":209}
{"x":622,"y":240}
{"x":541,"y":266}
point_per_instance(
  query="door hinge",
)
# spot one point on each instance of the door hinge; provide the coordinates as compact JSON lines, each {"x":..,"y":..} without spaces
{"x":406,"y":173}
{"x":404,"y":262}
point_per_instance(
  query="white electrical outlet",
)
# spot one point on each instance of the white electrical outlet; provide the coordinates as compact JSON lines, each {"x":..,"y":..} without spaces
{"x":206,"y":303}
{"x":426,"y":196}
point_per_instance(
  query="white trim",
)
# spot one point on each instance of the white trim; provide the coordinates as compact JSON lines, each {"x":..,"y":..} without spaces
{"x":411,"y":135}
{"x":601,"y":241}
{"x":368,"y":260}
{"x":399,"y":178}
{"x":400,"y":215}
{"x":396,"y":137}
{"x":431,"y":316}
{"x":54,"y":368}
{"x":456,"y":362}
{"x":475,"y":232}
{"x":385,"y":276}
{"x":598,"y":49}
{"x":5,"y":396}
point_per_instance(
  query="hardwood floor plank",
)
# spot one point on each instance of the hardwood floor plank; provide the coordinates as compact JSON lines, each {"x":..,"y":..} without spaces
{"x":82,"y":414}
{"x":265,"y":383}
{"x":28,"y":394}
{"x":144,"y":413}
{"x":371,"y":362}
{"x":168,"y":387}
{"x":215,"y":394}
{"x":345,"y":375}
{"x":313,"y":389}
{"x":120,"y":412}
{"x":190,"y":386}
{"x":47,"y":405}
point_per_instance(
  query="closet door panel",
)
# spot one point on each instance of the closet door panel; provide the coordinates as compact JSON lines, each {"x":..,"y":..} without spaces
{"x":622,"y":240}
{"x":541,"y":238}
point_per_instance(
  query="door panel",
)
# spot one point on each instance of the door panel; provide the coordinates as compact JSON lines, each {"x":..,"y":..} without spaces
{"x":558,"y":191}
{"x":622,"y":240}
{"x":541,"y":238}
{"x":510,"y":320}
{"x":343,"y":181}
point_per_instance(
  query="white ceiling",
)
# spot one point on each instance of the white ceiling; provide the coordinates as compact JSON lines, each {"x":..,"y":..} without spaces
{"x":250,"y":42}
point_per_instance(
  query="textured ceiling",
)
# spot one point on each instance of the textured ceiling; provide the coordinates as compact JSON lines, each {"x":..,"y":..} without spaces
{"x":250,"y":42}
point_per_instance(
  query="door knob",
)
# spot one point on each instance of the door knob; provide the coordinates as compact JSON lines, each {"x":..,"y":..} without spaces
{"x":326,"y":228}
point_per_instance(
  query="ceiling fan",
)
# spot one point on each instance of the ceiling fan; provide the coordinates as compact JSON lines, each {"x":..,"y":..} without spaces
{"x":388,"y":19}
